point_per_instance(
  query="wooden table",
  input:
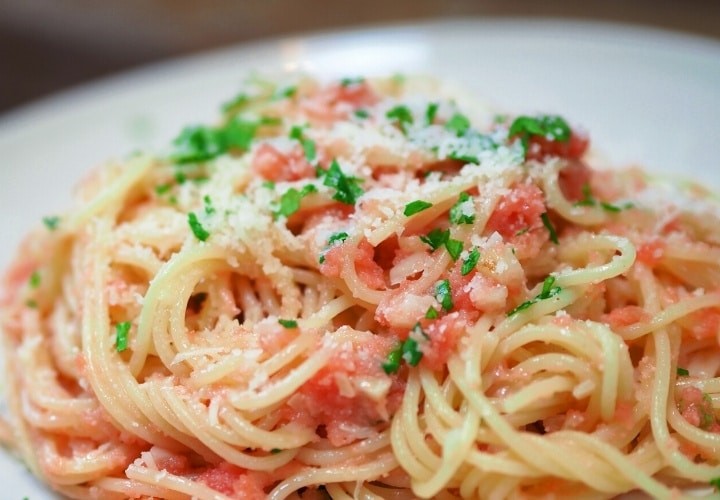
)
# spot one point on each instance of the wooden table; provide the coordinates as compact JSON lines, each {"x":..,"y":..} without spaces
{"x":48,"y":45}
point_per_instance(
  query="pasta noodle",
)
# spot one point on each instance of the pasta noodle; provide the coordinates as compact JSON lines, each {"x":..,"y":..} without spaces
{"x":356,"y":290}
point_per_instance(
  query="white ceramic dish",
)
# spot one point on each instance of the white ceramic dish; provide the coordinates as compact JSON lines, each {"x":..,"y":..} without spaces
{"x":646,"y":96}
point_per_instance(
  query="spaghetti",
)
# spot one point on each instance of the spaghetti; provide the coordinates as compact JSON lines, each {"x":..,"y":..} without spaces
{"x":357,"y":290}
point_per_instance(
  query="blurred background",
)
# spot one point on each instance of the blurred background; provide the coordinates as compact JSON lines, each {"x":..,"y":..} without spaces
{"x":49,"y":45}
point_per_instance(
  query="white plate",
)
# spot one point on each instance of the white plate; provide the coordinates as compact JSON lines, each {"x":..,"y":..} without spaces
{"x":646,"y":96}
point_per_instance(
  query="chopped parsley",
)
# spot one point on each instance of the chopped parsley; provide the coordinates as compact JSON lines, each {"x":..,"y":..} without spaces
{"x":588,"y":200}
{"x":436,"y":238}
{"x":321,"y":259}
{"x":209,"y":208}
{"x":431,"y":313}
{"x":198,"y":230}
{"x":548,"y":291}
{"x":470,"y":262}
{"x":32,"y":304}
{"x":458,"y":212}
{"x":199,"y":143}
{"x":416,"y":206}
{"x":715,"y":482}
{"x":458,"y":124}
{"x":682,"y":372}
{"x":290,"y":200}
{"x":268,"y":184}
{"x":467,"y":158}
{"x":288,"y":323}
{"x":550,"y":127}
{"x":235,"y":103}
{"x":454,"y":248}
{"x":51,"y":222}
{"x":121,"y":335}
{"x":361,"y":113}
{"x":180,"y":177}
{"x":392,"y":362}
{"x":34,"y":280}
{"x":308,"y":145}
{"x":522,"y":231}
{"x":551,"y":229}
{"x":285,"y":92}
{"x":443,"y":294}
{"x":410,"y":352}
{"x":347,"y":188}
{"x":275,"y":451}
{"x":337,"y":237}
{"x":430,"y":112}
{"x":347,"y":82}
{"x":162,"y":189}
{"x":401,"y":115}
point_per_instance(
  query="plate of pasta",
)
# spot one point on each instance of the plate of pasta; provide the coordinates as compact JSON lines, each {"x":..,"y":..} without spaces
{"x":351,"y":265}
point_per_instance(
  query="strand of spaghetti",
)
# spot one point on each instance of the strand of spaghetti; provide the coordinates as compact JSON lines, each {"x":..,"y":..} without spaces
{"x":379,"y":465}
{"x":321,"y":457}
{"x":166,"y":279}
{"x":544,"y":455}
{"x":583,"y":245}
{"x":111,"y":383}
{"x":669,"y":315}
{"x":278,"y":390}
{"x":127,"y":488}
{"x":283,"y":437}
{"x":322,"y":317}
{"x":196,"y":419}
{"x":662,"y":399}
{"x":173,"y":426}
{"x":109,"y":199}
{"x":173,"y":486}
{"x":456,"y":445}
{"x":578,"y":214}
{"x":537,"y":390}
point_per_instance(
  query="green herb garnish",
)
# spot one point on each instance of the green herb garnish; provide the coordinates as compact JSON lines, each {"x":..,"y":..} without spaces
{"x":443,"y":294}
{"x":199,"y":143}
{"x":551,"y":229}
{"x":361,"y":113}
{"x":308,"y":145}
{"x":337,"y":237}
{"x":550,"y":127}
{"x":347,"y":188}
{"x":121,"y":335}
{"x":34,"y":279}
{"x":392,"y":362}
{"x":547,"y":291}
{"x":236,"y":102}
{"x":430,"y":112}
{"x":715,"y":482}
{"x":458,"y":124}
{"x":454,"y":248}
{"x":471,"y":261}
{"x":457,"y":212}
{"x":51,"y":222}
{"x":346,"y":82}
{"x":410,"y":352}
{"x":436,"y":238}
{"x":431,"y":313}
{"x":682,"y":372}
{"x":285,"y":92}
{"x":290,"y":200}
{"x":401,"y":115}
{"x":288,"y":323}
{"x":209,"y":209}
{"x":162,"y":189}
{"x":268,"y":184}
{"x":198,"y":230}
{"x":275,"y":451}
{"x":416,"y":206}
